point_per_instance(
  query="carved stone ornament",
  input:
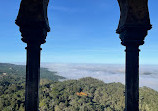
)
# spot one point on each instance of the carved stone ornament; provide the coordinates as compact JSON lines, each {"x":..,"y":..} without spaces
{"x":134,"y":21}
{"x":134,"y":14}
{"x":33,"y":21}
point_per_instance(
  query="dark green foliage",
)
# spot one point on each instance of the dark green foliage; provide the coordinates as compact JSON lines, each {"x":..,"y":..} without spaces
{"x":19,"y":70}
{"x":11,"y":93}
{"x":61,"y":96}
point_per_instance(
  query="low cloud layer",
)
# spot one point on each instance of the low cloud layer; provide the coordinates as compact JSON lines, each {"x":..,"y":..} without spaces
{"x":105,"y":72}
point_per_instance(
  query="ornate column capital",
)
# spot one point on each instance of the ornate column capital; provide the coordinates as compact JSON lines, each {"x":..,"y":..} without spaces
{"x":134,"y":21}
{"x":33,"y":21}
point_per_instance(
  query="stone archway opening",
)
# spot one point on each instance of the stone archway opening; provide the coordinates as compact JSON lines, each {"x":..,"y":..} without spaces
{"x":33,"y":22}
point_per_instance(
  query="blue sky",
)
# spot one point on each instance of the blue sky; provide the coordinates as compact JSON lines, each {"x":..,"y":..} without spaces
{"x":82,"y":31}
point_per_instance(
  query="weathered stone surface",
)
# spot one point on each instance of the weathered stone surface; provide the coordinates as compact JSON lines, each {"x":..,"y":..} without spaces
{"x":134,"y":13}
{"x":33,"y":12}
{"x":33,"y":21}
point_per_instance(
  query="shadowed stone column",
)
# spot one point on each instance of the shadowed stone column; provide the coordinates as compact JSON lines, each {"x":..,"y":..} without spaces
{"x":33,"y":22}
{"x":133,"y":26}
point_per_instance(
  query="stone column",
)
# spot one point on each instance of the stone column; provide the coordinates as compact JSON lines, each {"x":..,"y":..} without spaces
{"x":33,"y":22}
{"x":132,"y":78}
{"x":133,"y":27}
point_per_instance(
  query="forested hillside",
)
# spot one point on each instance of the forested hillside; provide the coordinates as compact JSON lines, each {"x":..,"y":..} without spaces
{"x":19,"y":70}
{"x":86,"y":94}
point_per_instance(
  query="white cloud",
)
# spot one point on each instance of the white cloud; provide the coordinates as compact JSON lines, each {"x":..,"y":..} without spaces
{"x":106,"y":72}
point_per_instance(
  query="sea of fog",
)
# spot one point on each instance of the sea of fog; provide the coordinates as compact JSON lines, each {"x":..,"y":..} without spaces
{"x":105,"y":72}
